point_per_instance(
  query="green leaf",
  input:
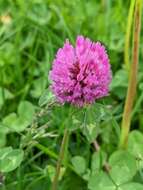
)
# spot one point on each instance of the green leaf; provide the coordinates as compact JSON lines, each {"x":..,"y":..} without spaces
{"x":39,"y":16}
{"x":5,"y":151}
{"x":123,"y":167}
{"x":98,"y":160}
{"x":38,"y":86}
{"x":86,"y":175}
{"x":79,"y":164}
{"x":9,"y":120}
{"x":3,"y":128}
{"x":46,"y":98}
{"x":99,"y":113}
{"x":10,"y":159}
{"x":101,"y":181}
{"x":119,"y":83}
{"x":17,"y":123}
{"x":26,"y":110}
{"x":4,"y":94}
{"x":93,"y":115}
{"x":120,"y":79}
{"x":135,"y":143}
{"x":2,"y":139}
{"x":131,"y":186}
{"x":90,"y":131}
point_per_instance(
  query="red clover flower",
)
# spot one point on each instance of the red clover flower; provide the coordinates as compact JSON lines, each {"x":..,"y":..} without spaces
{"x":82,"y":74}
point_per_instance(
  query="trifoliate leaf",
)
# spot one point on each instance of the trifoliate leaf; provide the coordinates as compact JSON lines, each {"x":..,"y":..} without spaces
{"x":10,"y":159}
{"x":123,"y":167}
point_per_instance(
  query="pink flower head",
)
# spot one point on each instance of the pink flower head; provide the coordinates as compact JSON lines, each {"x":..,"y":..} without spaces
{"x":82,"y":74}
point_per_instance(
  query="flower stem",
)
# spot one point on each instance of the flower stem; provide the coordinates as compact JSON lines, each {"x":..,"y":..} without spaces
{"x":61,"y":157}
{"x":128,"y":34}
{"x":131,"y":92}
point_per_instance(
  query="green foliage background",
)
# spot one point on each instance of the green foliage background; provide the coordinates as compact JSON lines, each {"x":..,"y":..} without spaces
{"x":31,"y":31}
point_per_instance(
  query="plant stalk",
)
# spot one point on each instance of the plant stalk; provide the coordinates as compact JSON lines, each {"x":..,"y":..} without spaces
{"x":60,"y":160}
{"x":131,"y":92}
{"x":128,"y":34}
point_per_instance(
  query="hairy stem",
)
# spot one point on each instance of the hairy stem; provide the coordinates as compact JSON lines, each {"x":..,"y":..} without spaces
{"x":131,"y":92}
{"x":60,"y":160}
{"x":128,"y":34}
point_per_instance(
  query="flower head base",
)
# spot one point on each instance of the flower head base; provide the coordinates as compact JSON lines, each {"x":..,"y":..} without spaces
{"x":82,"y":74}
